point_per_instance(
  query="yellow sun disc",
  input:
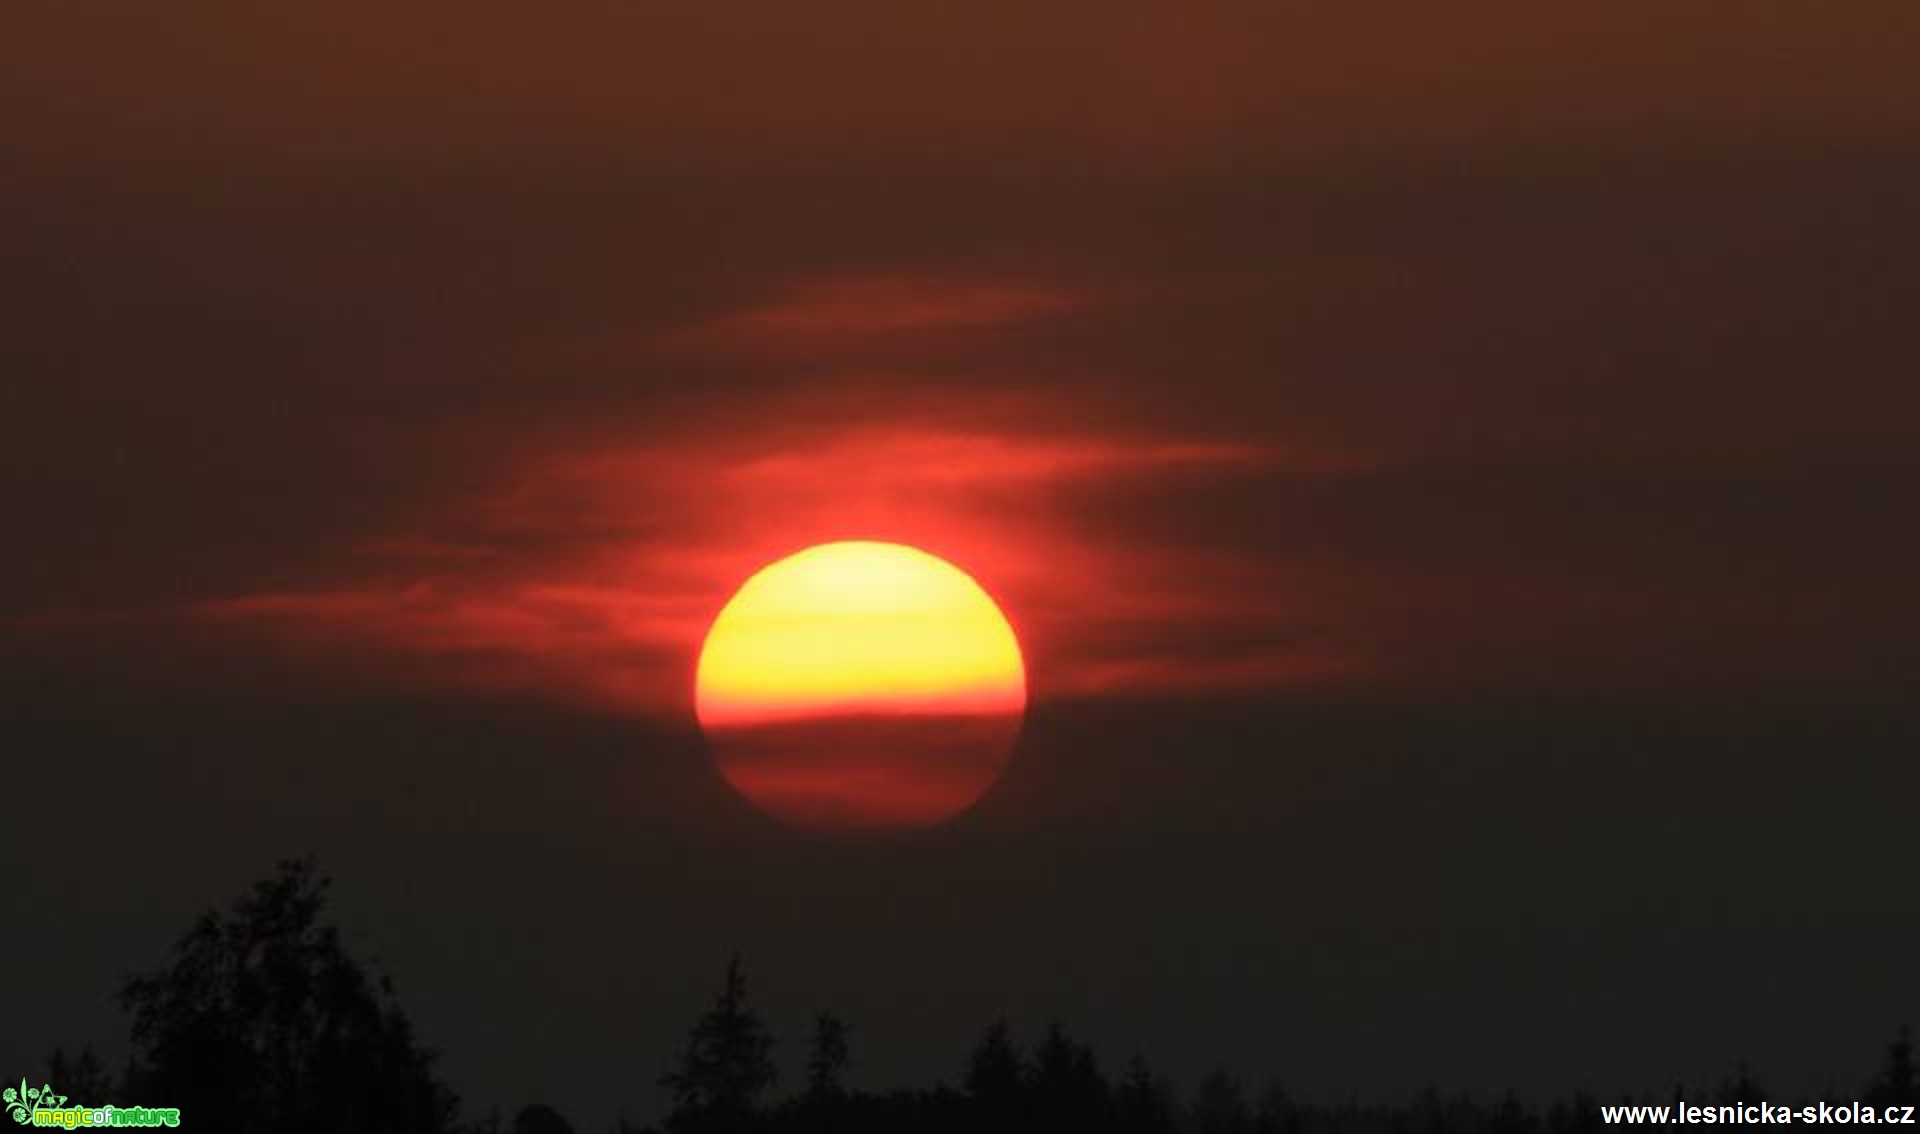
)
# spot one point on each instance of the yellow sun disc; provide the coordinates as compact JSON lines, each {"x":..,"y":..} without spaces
{"x":861,"y":684}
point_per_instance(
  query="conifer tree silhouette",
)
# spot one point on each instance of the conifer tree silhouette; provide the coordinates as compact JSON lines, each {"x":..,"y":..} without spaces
{"x":1276,"y":1112}
{"x":1069,"y":1092}
{"x":1220,"y":1106}
{"x":997,"y":1079}
{"x":1742,"y":1088}
{"x":1143,"y":1103}
{"x":995,"y":1067}
{"x":1896,"y":1084}
{"x":827,"y":1060}
{"x":727,"y":1066}
{"x":1511,"y":1117}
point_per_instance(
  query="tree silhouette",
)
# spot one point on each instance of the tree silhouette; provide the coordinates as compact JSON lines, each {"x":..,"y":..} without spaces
{"x":1511,"y":1117}
{"x":1220,"y":1106}
{"x":1578,"y":1115}
{"x":996,"y":1079}
{"x":727,"y":1066}
{"x":996,"y":1069}
{"x":539,"y":1118}
{"x":1143,"y":1103}
{"x":262,"y":1021}
{"x":827,"y":1061}
{"x":81,"y":1075}
{"x":1742,"y":1088}
{"x":1430,"y":1112}
{"x":1069,"y":1092}
{"x":1896,"y":1084}
{"x":1276,"y":1112}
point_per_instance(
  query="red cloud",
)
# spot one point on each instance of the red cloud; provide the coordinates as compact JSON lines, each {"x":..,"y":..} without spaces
{"x":593,"y":575}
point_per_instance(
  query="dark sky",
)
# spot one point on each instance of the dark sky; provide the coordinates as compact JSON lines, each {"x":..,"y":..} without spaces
{"x":1452,"y":471}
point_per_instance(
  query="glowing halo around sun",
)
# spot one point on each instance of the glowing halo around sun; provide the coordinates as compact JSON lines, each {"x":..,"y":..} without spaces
{"x":861,"y":686}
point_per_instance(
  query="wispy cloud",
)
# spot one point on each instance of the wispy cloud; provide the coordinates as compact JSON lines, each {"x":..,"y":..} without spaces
{"x":593,"y":575}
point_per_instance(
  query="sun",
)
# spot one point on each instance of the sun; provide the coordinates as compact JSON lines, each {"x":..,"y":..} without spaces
{"x":861,"y":686}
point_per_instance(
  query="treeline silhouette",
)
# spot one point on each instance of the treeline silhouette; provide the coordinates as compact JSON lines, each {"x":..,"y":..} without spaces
{"x":260,"y":1020}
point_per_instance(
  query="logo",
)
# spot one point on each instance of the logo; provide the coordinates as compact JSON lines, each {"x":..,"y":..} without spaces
{"x":40,"y":1106}
{"x":22,"y":1102}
